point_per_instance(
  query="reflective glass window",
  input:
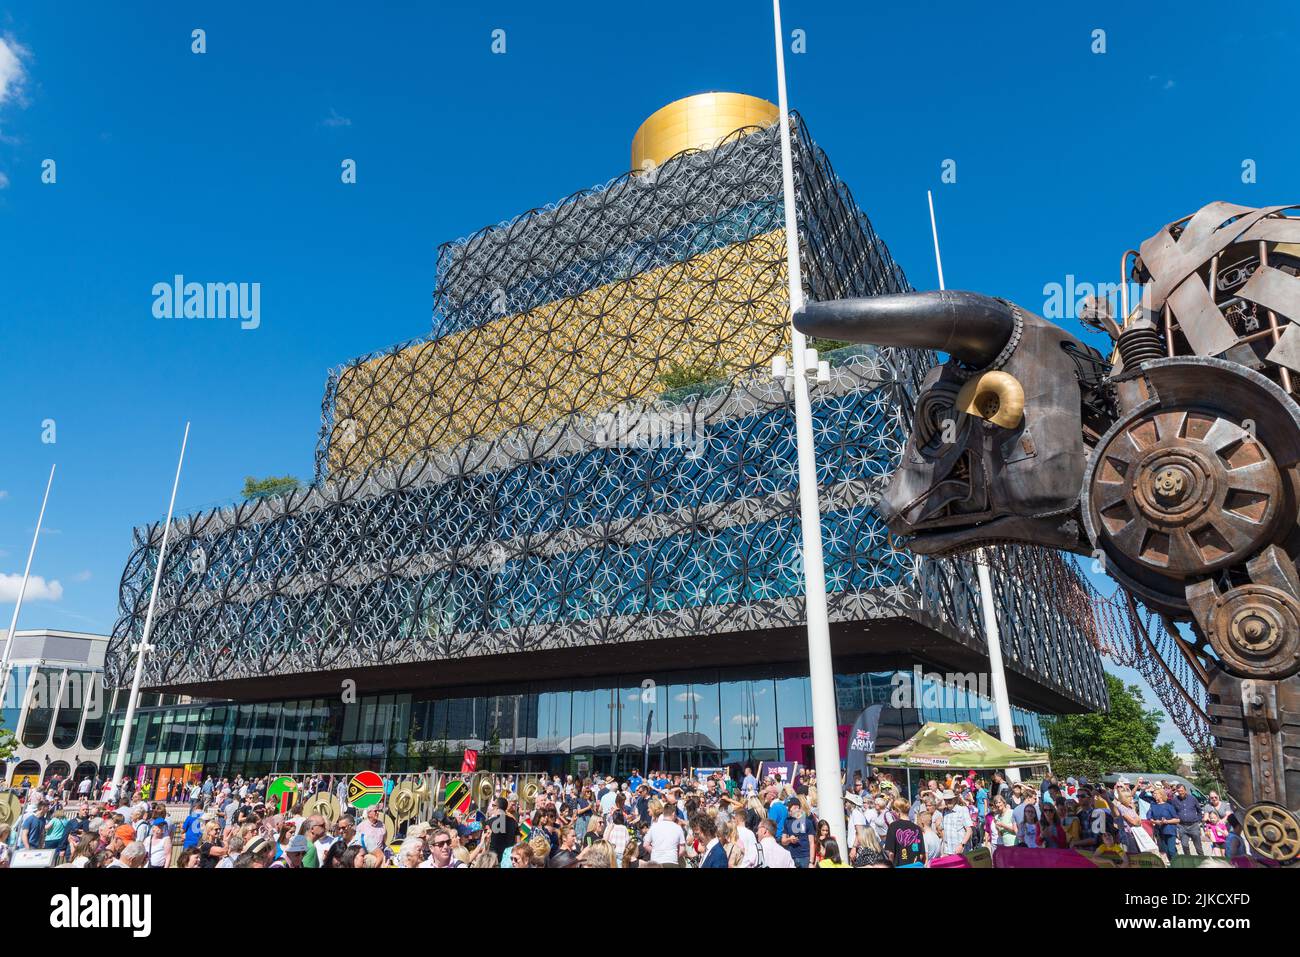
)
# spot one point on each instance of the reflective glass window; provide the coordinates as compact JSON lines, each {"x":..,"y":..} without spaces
{"x":92,"y":734}
{"x":76,"y":688}
{"x":42,"y":696}
{"x":553,"y":722}
{"x":748,"y":715}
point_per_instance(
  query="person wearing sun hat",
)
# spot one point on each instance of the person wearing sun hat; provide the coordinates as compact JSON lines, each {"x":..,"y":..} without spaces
{"x":956,"y":823}
{"x":261,"y":849}
{"x":295,"y":851}
{"x":857,"y":817}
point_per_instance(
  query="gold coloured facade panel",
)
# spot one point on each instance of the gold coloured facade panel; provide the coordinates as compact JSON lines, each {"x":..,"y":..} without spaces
{"x":697,"y":122}
{"x":726,"y":310}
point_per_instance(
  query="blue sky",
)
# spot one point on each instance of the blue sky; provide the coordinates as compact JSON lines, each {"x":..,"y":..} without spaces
{"x":225,"y":166}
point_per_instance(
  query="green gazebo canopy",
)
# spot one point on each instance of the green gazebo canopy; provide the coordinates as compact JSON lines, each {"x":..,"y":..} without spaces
{"x":962,"y":745}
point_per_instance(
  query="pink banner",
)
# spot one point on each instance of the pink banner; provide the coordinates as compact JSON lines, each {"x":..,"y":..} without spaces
{"x":1039,"y":857}
{"x":952,"y":860}
{"x":799,"y":741}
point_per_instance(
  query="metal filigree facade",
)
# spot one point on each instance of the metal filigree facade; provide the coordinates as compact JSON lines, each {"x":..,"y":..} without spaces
{"x":589,"y":448}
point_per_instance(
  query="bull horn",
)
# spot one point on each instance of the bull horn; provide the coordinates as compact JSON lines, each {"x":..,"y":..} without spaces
{"x":996,"y":397}
{"x":966,"y":325}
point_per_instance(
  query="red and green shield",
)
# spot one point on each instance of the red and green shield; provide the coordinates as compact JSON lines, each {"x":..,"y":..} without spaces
{"x":281,"y":793}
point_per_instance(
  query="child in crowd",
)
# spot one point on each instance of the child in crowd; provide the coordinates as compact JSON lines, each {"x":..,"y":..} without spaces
{"x":1028,"y":835}
{"x":1216,"y":832}
{"x":1110,"y":848}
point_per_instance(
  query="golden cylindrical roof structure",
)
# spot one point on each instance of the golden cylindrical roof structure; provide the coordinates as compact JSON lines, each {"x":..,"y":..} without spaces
{"x":696,"y":122}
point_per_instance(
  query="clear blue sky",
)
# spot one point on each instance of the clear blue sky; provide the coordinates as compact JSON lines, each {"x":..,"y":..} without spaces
{"x":225,"y":167}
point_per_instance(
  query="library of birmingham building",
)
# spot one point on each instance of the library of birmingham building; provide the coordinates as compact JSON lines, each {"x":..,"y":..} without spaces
{"x":562,"y":527}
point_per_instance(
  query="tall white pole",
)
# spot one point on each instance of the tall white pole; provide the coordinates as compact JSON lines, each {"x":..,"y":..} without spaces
{"x":22,"y":590}
{"x":821,"y":673}
{"x":1001,"y":703}
{"x":143,"y":648}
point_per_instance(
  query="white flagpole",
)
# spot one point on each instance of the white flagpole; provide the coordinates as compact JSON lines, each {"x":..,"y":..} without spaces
{"x":821,"y":672}
{"x":1001,"y":703}
{"x":22,"y":590}
{"x":143,"y":648}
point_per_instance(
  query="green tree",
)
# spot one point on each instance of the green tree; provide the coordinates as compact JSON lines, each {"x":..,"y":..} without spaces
{"x":679,"y":375}
{"x":1205,"y":775}
{"x":267,"y":487}
{"x":830,"y":345}
{"x":1121,"y":739}
{"x":8,"y":744}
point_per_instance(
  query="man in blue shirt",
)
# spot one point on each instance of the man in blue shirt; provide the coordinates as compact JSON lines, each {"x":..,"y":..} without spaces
{"x":642,"y":803}
{"x":32,"y":829}
{"x":777,"y":814}
{"x":1189,"y":819}
{"x":193,"y":827}
{"x":798,"y":830}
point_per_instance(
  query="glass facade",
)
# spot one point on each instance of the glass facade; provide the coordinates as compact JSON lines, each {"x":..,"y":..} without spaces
{"x":688,"y":719}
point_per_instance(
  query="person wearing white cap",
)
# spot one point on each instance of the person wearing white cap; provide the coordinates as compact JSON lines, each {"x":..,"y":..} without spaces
{"x":857,"y":817}
{"x":294,"y":851}
{"x":31,"y":827}
{"x":956,"y":824}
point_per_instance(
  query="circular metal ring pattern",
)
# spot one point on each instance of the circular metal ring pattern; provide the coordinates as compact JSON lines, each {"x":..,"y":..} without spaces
{"x":1273,"y":831}
{"x":1256,"y":631}
{"x":325,"y":804}
{"x":403,"y":803}
{"x":11,"y":809}
{"x":1185,"y":492}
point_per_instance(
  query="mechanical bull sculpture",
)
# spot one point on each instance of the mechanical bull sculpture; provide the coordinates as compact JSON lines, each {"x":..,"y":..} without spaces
{"x":1176,"y":459}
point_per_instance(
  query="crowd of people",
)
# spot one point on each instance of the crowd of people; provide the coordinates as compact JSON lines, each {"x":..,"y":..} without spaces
{"x":707,"y":820}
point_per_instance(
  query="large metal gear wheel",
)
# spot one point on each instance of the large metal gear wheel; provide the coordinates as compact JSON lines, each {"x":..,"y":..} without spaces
{"x":1273,"y":831}
{"x":1184,"y":492}
{"x":1195,"y":482}
{"x":1255,"y":629}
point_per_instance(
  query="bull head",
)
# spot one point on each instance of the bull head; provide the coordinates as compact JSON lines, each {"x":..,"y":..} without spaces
{"x":996,"y":451}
